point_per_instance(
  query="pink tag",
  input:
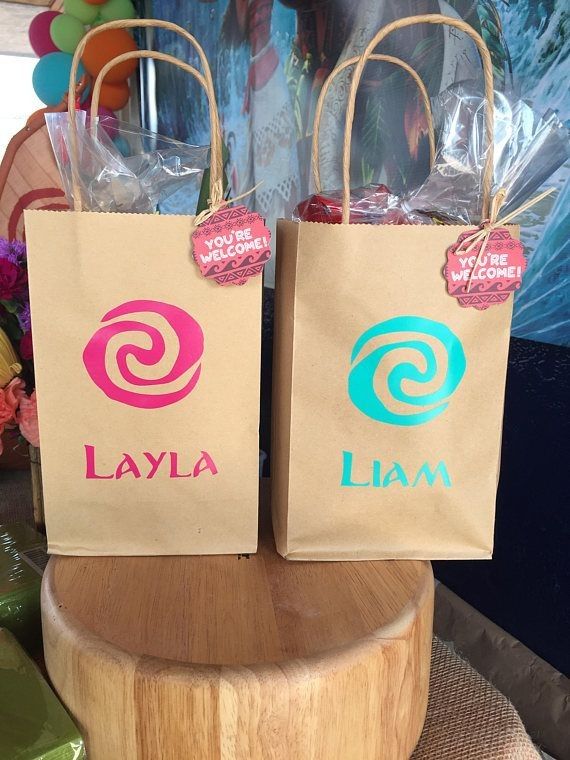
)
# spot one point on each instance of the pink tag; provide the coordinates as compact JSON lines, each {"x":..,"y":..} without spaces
{"x":497,"y":274}
{"x":232,"y":246}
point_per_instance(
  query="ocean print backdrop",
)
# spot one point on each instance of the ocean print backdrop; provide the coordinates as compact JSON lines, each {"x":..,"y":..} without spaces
{"x":536,"y":32}
{"x":269,"y":59}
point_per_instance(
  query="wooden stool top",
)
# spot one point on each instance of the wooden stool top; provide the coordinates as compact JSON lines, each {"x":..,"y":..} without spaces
{"x":230,"y":610}
{"x":237,"y":657}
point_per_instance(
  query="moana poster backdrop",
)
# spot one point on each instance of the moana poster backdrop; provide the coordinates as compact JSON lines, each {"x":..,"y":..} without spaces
{"x":270,"y":58}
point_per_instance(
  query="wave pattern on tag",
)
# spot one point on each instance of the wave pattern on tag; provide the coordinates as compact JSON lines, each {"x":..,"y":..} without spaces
{"x":484,"y":278}
{"x":232,"y":246}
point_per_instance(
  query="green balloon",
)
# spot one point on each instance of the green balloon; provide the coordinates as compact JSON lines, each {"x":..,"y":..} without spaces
{"x":117,"y":9}
{"x":66,"y":32}
{"x":81,"y":10}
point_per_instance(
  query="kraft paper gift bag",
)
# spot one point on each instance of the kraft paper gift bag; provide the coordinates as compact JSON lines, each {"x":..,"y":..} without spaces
{"x":388,"y":395}
{"x":147,"y":379}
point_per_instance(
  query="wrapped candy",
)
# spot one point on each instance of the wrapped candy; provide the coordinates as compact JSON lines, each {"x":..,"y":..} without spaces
{"x":373,"y":204}
{"x":528,"y":149}
{"x":133,"y":172}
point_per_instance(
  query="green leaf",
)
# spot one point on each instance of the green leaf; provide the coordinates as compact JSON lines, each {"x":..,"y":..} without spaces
{"x":11,"y":327}
{"x":10,"y":306}
{"x":377,"y":138}
{"x":484,"y":17}
{"x":367,"y":173}
{"x":372,"y":133}
{"x":492,"y":33}
{"x":205,"y":186}
{"x":375,"y":130}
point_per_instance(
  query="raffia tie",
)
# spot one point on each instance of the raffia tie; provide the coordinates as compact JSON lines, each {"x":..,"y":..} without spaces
{"x":483,"y":234}
{"x":217,"y":202}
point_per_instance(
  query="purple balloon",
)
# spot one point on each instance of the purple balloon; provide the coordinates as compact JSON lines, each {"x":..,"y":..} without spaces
{"x":108,"y":121}
{"x":39,"y":35}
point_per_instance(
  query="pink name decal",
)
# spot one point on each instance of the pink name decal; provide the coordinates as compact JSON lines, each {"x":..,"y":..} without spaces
{"x":190,"y":348}
{"x":147,"y":465}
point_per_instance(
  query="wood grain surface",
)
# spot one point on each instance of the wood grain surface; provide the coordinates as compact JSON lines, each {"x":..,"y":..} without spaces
{"x":244,"y":658}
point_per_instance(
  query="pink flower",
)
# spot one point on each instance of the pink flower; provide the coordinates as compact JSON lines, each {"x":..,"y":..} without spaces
{"x":27,"y":419}
{"x":12,"y":280}
{"x":9,"y":400}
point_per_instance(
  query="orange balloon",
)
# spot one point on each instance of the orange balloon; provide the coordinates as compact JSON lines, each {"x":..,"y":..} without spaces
{"x":114,"y":96}
{"x":106,"y":46}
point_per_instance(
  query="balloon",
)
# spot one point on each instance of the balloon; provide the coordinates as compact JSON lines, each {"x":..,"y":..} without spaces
{"x":108,"y":118}
{"x":39,"y":35}
{"x":106,"y":46}
{"x":114,"y":96}
{"x":66,"y":32}
{"x":50,"y":79}
{"x":81,"y":10}
{"x":108,"y":121}
{"x":117,"y":9}
{"x":122,"y":146}
{"x":96,"y":2}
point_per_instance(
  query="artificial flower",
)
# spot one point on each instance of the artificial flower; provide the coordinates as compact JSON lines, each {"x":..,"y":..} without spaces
{"x":13,"y":280}
{"x":24,"y":318}
{"x":12,"y":250}
{"x":27,"y":419}
{"x":9,"y":364}
{"x":26,"y":347}
{"x":10,"y":398}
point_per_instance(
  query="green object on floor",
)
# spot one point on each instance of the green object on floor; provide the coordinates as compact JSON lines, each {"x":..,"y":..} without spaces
{"x":22,"y":560}
{"x":33,"y":723}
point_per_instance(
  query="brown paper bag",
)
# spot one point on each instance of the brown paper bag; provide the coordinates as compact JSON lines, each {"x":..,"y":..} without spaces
{"x":147,"y":381}
{"x":388,"y":395}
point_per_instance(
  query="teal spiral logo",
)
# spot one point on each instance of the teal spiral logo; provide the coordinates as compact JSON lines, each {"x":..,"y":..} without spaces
{"x":361,"y":386}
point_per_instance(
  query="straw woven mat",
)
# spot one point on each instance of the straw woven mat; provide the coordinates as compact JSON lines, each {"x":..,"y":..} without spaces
{"x":467,"y":718}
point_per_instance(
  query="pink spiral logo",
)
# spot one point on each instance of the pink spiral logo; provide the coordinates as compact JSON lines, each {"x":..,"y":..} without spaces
{"x":190,"y":348}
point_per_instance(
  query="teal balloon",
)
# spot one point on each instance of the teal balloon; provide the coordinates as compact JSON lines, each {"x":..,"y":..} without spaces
{"x":66,"y":32}
{"x":50,"y":79}
{"x":117,"y":9}
{"x":85,"y":12}
{"x":122,"y":146}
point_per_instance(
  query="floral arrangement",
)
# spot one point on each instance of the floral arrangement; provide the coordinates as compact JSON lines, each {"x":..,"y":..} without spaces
{"x":17,"y":394}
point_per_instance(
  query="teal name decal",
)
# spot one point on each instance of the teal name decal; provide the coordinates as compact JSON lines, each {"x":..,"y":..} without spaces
{"x":378,"y":474}
{"x":361,"y":384}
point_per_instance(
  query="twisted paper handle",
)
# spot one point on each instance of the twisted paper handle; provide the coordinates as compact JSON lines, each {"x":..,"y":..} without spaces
{"x":217,"y":202}
{"x":402,"y":23}
{"x":315,"y":150}
{"x":205,"y":80}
